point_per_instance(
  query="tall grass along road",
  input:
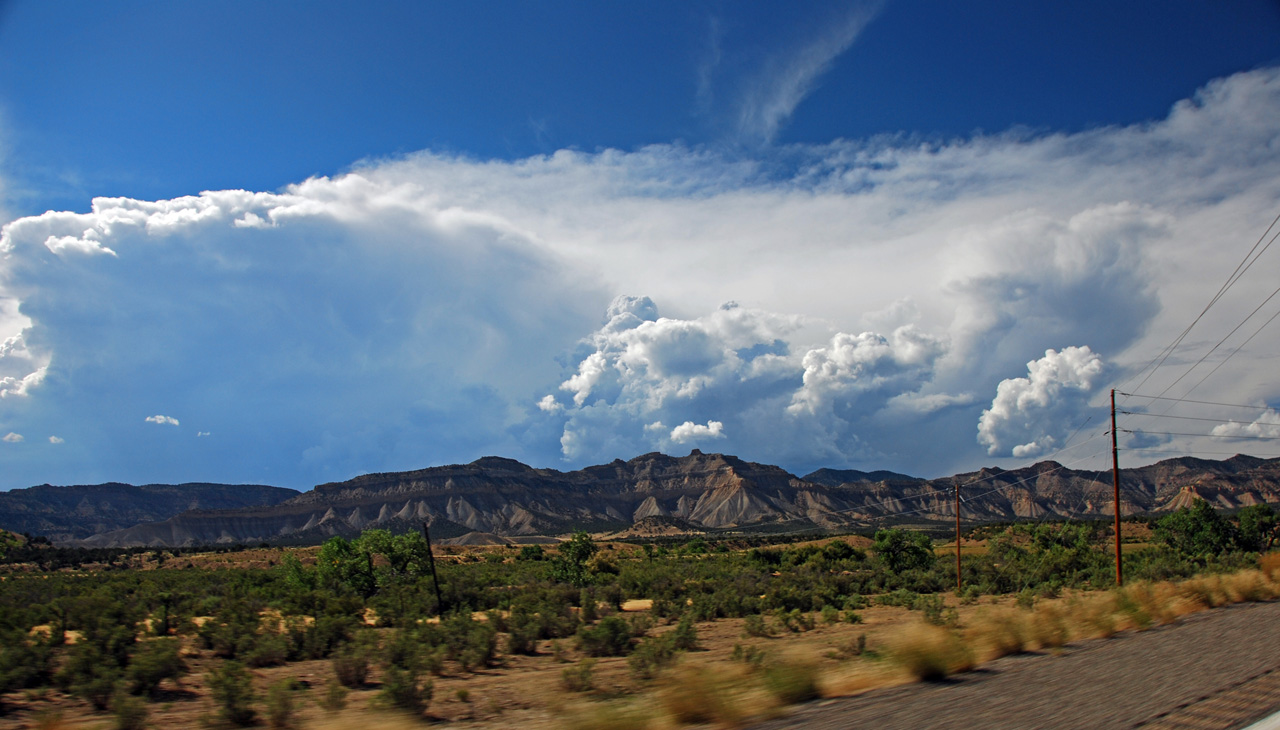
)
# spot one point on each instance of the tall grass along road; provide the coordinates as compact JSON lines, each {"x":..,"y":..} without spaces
{"x":1134,"y":679}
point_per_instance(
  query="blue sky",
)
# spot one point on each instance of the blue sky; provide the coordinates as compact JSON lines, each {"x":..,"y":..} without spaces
{"x":332,"y":239}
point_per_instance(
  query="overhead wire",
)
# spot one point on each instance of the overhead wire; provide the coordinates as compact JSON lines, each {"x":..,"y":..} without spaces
{"x":1201,"y":435}
{"x":1214,"y":349}
{"x":1197,"y":402}
{"x":1245,"y":264}
{"x":1232,"y":353}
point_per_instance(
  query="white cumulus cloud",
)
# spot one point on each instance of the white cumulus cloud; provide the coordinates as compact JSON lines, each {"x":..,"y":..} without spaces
{"x":1030,"y":416}
{"x":689,"y":431}
{"x":56,"y":440}
{"x":12,"y":438}
{"x":162,"y":420}
{"x":1266,"y":425}
{"x":434,"y":308}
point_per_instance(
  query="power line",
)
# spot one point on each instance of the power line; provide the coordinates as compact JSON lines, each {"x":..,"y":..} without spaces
{"x":1232,"y":353}
{"x":1245,"y":264}
{"x":1219,"y":343}
{"x":1159,"y":450}
{"x":1201,"y":435}
{"x":1180,"y":418}
{"x":1198,"y":402}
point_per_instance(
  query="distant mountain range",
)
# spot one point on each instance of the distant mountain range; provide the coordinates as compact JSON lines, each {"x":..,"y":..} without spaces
{"x":495,"y":498}
{"x":70,"y":513}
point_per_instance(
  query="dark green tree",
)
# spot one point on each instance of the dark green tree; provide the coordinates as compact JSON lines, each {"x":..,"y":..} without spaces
{"x":903,"y":549}
{"x":342,"y":564}
{"x":571,"y":565}
{"x":1197,"y":531}
{"x":1259,"y":528}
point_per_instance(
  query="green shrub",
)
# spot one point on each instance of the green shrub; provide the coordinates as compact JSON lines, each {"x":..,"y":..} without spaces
{"x":685,"y":635}
{"x":578,"y":677}
{"x":350,"y":668}
{"x":610,"y":637}
{"x":523,"y":629}
{"x":749,"y":655}
{"x":587,"y":604}
{"x":855,"y":603}
{"x":401,"y":689}
{"x":90,"y":674}
{"x":755,"y":626}
{"x":795,"y":620}
{"x":280,"y":703}
{"x":791,"y":683}
{"x":641,"y":624}
{"x":334,"y":698}
{"x":153,"y":662}
{"x":130,"y":713}
{"x":651,"y":655}
{"x":269,"y":650}
{"x":232,"y":688}
{"x":470,"y":643}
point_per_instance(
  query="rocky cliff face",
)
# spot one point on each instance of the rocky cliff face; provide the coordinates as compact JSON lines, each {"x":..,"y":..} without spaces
{"x":506,"y":498}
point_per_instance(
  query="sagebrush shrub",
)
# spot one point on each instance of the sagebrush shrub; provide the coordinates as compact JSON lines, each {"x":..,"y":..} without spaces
{"x":130,"y":713}
{"x":685,"y":635}
{"x":232,"y":688}
{"x":610,"y":637}
{"x":578,"y":678}
{"x":651,"y":656}
{"x":402,"y":690}
{"x":791,"y":682}
{"x":350,"y":668}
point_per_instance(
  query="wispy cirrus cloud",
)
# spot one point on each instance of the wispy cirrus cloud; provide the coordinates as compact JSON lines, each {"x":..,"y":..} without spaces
{"x":772,"y":94}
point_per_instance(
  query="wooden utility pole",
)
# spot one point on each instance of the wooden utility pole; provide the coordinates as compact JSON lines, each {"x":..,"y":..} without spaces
{"x":431,"y":560}
{"x":1115,"y":483}
{"x":957,"y":540}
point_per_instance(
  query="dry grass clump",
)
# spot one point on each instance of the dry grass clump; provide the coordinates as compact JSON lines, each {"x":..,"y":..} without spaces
{"x":609,"y":716}
{"x":1206,"y":589}
{"x":791,"y":682}
{"x":1149,"y":604}
{"x":1046,"y":627}
{"x":929,"y":652}
{"x":1250,"y":585}
{"x":1269,"y":564}
{"x":997,"y":631}
{"x":692,"y":695}
{"x":1093,"y":615}
{"x":858,"y":678}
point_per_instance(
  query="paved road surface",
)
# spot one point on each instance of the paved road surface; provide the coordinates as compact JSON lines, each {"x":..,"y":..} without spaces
{"x":1212,"y":670}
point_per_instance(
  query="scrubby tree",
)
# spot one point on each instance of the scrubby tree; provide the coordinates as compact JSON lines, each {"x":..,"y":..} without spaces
{"x":341,"y":564}
{"x":571,"y":565}
{"x":1196,"y":531}
{"x":903,"y":549}
{"x":1259,"y":528}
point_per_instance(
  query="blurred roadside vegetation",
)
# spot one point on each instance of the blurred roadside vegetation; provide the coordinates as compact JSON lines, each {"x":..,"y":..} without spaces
{"x":370,"y":601}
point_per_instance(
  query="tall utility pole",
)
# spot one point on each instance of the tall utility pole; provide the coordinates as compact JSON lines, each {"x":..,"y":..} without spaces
{"x":1115,"y":483}
{"x":431,"y":560}
{"x":957,"y":540}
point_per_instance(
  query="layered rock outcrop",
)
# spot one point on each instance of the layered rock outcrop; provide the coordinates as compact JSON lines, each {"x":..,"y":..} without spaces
{"x":506,"y":498}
